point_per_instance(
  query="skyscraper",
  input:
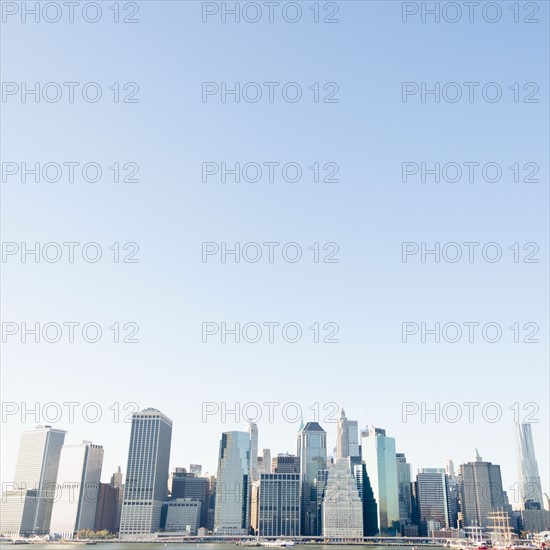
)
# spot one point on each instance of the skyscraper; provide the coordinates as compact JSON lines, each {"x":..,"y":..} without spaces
{"x":481,"y":493}
{"x":370,"y":508}
{"x":279,"y":505}
{"x":353,"y":431}
{"x":431,"y":500}
{"x":27,"y":502}
{"x":232,"y":516}
{"x":342,"y":437}
{"x":78,"y":482}
{"x":312,"y":452}
{"x":530,"y":489}
{"x":266,"y":455}
{"x":342,"y":506}
{"x":347,"y":439}
{"x":404,"y":488}
{"x":146,"y":485}
{"x":379,"y":456}
{"x":253,"y":431}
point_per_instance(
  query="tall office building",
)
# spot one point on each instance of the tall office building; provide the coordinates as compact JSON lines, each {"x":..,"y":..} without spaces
{"x":146,"y":485}
{"x":530,"y":489}
{"x":78,"y":483}
{"x":404,"y":488}
{"x":109,"y":504}
{"x":279,"y":505}
{"x":431,"y":500}
{"x":312,"y":452}
{"x":347,"y":439}
{"x":353,"y":432}
{"x":232,"y":515}
{"x":27,"y":502}
{"x":370,"y":508}
{"x":481,"y":493}
{"x":266,"y":461}
{"x":186,"y":485}
{"x":342,"y":506}
{"x":378,"y":451}
{"x":286,"y":464}
{"x":342,"y":437}
{"x":253,"y":432}
{"x":453,"y":497}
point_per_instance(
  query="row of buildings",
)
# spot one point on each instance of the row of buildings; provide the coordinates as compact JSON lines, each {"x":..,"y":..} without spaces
{"x":363,"y":488}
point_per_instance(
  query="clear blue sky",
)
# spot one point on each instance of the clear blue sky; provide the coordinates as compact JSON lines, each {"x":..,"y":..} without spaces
{"x":369,"y":212}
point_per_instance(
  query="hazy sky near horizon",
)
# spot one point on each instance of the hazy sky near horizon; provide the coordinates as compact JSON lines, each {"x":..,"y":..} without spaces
{"x":360,"y":144}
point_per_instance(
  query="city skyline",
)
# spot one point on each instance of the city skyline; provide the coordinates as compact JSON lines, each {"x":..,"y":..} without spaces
{"x":252,"y":434}
{"x":310,"y":493}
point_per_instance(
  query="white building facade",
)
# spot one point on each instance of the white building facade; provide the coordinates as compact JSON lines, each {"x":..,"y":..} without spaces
{"x":342,"y":506}
{"x":78,"y":482}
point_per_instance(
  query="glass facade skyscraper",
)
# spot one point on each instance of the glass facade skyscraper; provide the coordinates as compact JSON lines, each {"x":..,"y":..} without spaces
{"x":404,"y":487}
{"x":370,"y":508}
{"x":232,"y":513}
{"x":312,"y":452}
{"x":378,"y":453}
{"x":146,"y":486}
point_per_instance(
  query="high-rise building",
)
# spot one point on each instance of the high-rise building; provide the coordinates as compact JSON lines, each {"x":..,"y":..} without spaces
{"x":431,"y":500}
{"x":312,"y":452}
{"x":450,"y":467}
{"x":286,"y":464}
{"x":211,"y":502}
{"x":146,"y":484}
{"x":354,"y":448}
{"x":78,"y":482}
{"x":109,"y":504}
{"x":279,"y":505}
{"x":27,"y":502}
{"x":453,"y":498}
{"x":253,"y":433}
{"x":530,"y":488}
{"x":342,"y":506}
{"x":186,"y":485}
{"x":266,"y":460}
{"x":481,"y":493}
{"x":255,"y":507}
{"x":378,"y":452}
{"x":404,"y":488}
{"x":370,"y":508}
{"x":347,"y":439}
{"x":342,"y":437}
{"x":232,"y":515}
